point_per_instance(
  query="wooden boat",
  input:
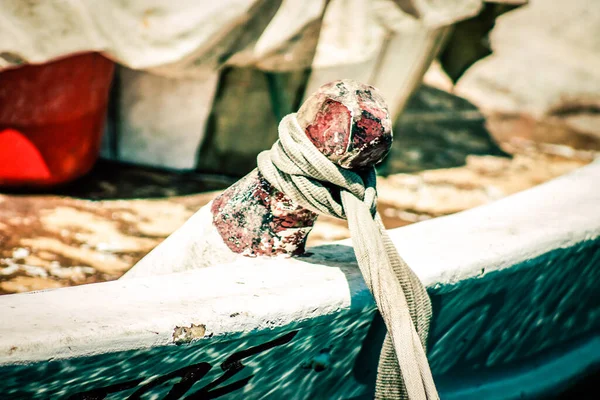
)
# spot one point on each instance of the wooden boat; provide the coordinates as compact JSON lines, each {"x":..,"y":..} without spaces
{"x":513,"y":285}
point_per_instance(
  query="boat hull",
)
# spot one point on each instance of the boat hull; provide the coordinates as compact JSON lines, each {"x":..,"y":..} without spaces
{"x":513,"y":287}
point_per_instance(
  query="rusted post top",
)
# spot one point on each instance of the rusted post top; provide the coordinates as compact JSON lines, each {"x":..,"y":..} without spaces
{"x":350,"y":124}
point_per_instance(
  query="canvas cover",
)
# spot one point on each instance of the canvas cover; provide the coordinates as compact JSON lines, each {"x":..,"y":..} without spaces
{"x":191,"y":38}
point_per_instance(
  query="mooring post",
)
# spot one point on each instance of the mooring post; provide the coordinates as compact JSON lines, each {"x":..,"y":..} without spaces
{"x":346,"y":120}
{"x":350,"y":124}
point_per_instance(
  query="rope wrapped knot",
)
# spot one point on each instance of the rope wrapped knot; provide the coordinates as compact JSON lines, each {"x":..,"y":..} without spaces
{"x":297,"y":168}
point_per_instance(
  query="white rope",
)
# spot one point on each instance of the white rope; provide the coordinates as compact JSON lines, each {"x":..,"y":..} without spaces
{"x":295,"y":167}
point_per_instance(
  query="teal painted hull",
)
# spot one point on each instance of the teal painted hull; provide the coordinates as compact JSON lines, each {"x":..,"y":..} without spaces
{"x":521,"y":332}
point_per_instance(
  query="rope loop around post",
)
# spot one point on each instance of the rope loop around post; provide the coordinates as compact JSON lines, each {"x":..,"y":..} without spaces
{"x":296,"y":168}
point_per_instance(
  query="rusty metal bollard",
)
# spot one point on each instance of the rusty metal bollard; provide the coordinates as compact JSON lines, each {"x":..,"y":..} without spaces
{"x":346,"y":120}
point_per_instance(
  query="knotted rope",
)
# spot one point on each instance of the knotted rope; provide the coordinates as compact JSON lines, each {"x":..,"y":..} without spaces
{"x":295,"y":167}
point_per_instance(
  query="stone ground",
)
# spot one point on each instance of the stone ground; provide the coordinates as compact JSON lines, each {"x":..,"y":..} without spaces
{"x":96,"y":229}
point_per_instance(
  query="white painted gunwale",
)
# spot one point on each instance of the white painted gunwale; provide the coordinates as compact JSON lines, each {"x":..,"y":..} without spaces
{"x":265,"y":293}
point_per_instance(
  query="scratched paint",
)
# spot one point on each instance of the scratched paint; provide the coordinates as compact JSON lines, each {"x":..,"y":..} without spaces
{"x":372,"y":132}
{"x":329,"y":129}
{"x":254,"y":218}
{"x":350,"y":124}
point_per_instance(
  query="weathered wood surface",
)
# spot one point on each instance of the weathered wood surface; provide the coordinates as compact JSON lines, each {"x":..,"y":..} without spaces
{"x":513,"y":284}
{"x":95,"y":229}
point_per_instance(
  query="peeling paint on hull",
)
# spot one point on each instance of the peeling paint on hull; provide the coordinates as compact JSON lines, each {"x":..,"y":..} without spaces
{"x":254,"y":218}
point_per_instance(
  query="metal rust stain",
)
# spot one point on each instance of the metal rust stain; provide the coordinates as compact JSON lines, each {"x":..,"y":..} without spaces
{"x":12,"y":350}
{"x":371,"y":133}
{"x":349,"y":122}
{"x":253,"y":218}
{"x":185,"y":334}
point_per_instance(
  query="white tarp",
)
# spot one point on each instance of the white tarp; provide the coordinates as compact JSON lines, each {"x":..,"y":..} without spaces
{"x":191,"y":38}
{"x":162,"y":120}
